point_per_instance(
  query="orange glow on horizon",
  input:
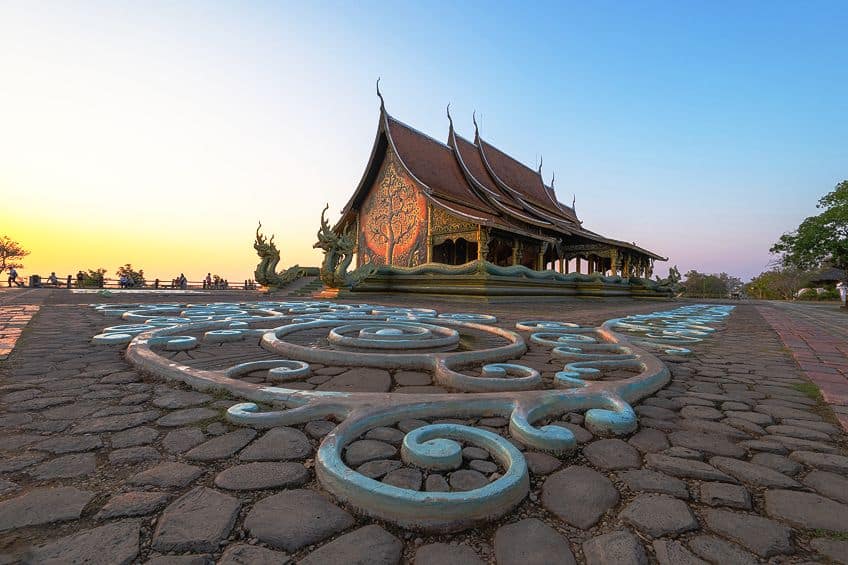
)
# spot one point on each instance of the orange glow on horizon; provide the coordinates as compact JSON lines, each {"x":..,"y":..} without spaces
{"x":64,"y":248}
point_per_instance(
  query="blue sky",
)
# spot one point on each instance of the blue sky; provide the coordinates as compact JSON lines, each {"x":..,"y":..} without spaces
{"x":699,"y":130}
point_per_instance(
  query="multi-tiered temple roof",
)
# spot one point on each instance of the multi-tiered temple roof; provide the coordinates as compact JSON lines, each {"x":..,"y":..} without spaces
{"x":477,"y":181}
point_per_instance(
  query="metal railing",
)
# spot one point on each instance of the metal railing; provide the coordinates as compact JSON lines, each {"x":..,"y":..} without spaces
{"x":69,"y":282}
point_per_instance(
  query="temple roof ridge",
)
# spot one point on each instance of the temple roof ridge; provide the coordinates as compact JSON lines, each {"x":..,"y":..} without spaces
{"x":544,"y":199}
{"x":418,"y":131}
{"x":491,"y":197}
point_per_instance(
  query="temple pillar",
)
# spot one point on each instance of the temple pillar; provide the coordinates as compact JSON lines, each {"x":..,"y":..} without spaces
{"x":577,"y":265}
{"x":429,"y":233}
{"x":540,"y":261}
{"x":625,"y":268}
{"x":613,"y":262}
{"x":482,"y":243}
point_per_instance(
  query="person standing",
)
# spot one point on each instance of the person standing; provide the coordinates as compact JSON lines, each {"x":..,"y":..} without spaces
{"x":843,"y":292}
{"x":13,"y":276}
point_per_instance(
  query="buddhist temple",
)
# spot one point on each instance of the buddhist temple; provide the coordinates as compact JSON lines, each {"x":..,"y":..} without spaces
{"x":421,"y":201}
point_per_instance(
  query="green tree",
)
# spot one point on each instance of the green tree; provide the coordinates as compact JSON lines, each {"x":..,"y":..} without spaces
{"x":11,"y":253}
{"x":819,"y":238}
{"x":731,"y":283}
{"x":93,"y":278}
{"x":808,"y":294}
{"x":780,"y":283}
{"x":716,"y":285}
{"x":136,"y":276}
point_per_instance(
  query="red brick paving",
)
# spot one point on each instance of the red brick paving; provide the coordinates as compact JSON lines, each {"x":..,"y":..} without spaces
{"x":13,"y":320}
{"x":816,"y":337}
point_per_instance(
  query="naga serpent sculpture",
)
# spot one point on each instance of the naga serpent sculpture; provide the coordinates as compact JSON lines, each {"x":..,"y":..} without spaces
{"x":338,"y":253}
{"x":265,"y":273}
{"x":339,"y":249}
{"x":481,"y":381}
{"x":672,"y":282}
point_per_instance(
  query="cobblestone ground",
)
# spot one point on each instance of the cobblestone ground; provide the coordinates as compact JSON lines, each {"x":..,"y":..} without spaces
{"x":733,"y":463}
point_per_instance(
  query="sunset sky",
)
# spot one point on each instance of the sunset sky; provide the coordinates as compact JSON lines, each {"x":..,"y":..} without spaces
{"x":159,"y":133}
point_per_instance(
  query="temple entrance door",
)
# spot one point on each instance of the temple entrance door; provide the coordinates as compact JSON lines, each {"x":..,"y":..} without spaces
{"x":444,"y":252}
{"x":459,"y":252}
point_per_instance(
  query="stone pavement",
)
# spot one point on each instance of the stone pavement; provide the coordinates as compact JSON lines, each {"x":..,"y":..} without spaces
{"x":732,"y":463}
{"x":817,"y":336}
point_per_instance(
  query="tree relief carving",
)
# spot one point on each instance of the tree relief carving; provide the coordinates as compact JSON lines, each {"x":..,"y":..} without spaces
{"x":393,"y":220}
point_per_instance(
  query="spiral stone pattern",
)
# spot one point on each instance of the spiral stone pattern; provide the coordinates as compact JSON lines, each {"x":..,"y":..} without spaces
{"x":481,"y":381}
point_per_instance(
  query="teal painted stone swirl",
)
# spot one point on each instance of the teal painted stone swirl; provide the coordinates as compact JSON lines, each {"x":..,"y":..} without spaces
{"x":165,"y":321}
{"x":476,"y":318}
{"x":133,"y":329}
{"x":279,"y":370}
{"x":544,"y":325}
{"x":561,"y":337}
{"x":397,"y":311}
{"x":249,"y":414}
{"x":427,"y":448}
{"x":112,"y":338}
{"x":616,"y":417}
{"x":174,"y":342}
{"x":494,"y":377}
{"x":554,"y":439}
{"x":395,"y":335}
{"x":671,"y":329}
{"x":223,"y":336}
{"x":433,"y":446}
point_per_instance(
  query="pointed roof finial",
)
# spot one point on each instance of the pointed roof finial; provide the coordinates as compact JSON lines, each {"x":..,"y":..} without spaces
{"x":573,"y":200}
{"x":449,"y":116}
{"x":553,"y":178}
{"x":380,"y":95}
{"x":540,"y":165}
{"x":476,"y":128}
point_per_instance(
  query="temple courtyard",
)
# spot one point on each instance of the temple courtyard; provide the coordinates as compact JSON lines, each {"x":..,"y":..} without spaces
{"x":741,"y":457}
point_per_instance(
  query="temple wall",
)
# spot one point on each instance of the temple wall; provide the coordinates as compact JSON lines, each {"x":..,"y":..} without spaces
{"x":393,"y":219}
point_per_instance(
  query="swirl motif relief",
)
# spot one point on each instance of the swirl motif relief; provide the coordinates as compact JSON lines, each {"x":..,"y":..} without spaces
{"x":284,"y":354}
